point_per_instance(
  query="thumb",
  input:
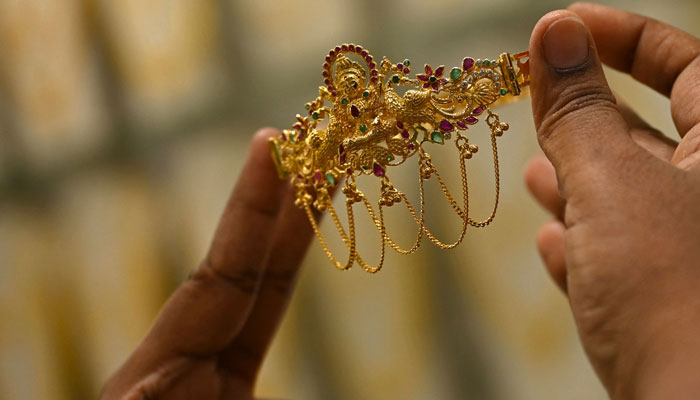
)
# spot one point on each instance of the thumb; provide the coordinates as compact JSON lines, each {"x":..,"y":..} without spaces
{"x":578,"y":124}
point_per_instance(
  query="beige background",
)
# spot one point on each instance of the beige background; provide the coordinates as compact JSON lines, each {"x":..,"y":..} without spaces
{"x":122,"y":130}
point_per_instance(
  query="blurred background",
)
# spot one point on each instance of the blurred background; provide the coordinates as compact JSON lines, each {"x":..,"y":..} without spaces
{"x":123,"y":125}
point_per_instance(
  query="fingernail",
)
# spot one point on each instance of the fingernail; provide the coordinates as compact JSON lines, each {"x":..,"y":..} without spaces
{"x":566,"y":44}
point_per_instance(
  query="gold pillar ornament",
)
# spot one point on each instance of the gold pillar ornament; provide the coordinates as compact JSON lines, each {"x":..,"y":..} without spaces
{"x":359,"y":125}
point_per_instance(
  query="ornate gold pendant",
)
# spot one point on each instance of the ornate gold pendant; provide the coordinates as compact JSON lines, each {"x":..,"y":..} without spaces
{"x":368,"y":128}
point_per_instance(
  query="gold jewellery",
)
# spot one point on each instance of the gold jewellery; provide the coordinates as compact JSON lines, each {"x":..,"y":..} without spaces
{"x":368,"y":127}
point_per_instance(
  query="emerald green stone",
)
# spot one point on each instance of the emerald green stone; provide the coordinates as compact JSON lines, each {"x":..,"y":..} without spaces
{"x":487,"y":63}
{"x":503,"y":92}
{"x":455,"y":73}
{"x":330,"y":178}
{"x":390,"y":158}
{"x":395,"y":79}
{"x":365,"y":93}
{"x":363,"y":128}
{"x":406,"y":62}
{"x":308,"y":106}
{"x":345,"y":100}
{"x":315,"y":115}
{"x":433,"y":79}
{"x":436,"y":137}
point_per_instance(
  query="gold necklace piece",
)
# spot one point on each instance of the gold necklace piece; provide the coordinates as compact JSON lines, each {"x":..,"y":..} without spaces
{"x":369,"y":127}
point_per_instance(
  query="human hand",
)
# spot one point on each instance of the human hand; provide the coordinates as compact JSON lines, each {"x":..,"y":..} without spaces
{"x":211,"y":336}
{"x":624,"y":244}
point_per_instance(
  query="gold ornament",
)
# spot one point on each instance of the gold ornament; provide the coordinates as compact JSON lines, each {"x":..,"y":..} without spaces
{"x":370,"y":127}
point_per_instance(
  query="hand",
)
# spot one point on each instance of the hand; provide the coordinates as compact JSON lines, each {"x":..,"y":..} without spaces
{"x":625,"y":242}
{"x":213,"y":332}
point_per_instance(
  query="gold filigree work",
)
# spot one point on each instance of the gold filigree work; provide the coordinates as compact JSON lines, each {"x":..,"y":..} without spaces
{"x":369,"y":127}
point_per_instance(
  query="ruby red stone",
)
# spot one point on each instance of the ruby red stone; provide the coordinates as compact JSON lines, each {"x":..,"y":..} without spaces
{"x":368,"y":58}
{"x":358,"y":48}
{"x":344,"y":47}
{"x":364,"y":53}
{"x":351,"y":47}
{"x":354,"y":111}
{"x":372,"y":65}
{"x":374,"y":79}
{"x":301,"y":136}
{"x":337,"y":49}
{"x":461,"y":125}
{"x":471,"y":120}
{"x":446,"y":126}
{"x":331,"y":53}
{"x":327,"y":81}
{"x":325,"y":73}
{"x":467,"y":63}
{"x":406,"y":70}
{"x":326,"y":66}
{"x":478,"y":110}
{"x":399,"y":124}
{"x":378,"y":170}
{"x":349,"y":171}
{"x":328,"y":58}
{"x":375,"y":72}
{"x":342,"y":159}
{"x":440,"y":70}
{"x":411,"y":146}
{"x":399,"y":66}
{"x":318,"y":176}
{"x":341,"y":149}
{"x":405,"y":134}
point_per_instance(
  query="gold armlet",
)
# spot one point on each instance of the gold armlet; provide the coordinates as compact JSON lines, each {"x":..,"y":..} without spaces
{"x":359,"y":125}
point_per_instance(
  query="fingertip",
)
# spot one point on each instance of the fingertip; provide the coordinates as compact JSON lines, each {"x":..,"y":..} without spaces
{"x":550,"y":244}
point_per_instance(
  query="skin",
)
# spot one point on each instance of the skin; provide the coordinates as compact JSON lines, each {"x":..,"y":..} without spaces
{"x":622,"y":244}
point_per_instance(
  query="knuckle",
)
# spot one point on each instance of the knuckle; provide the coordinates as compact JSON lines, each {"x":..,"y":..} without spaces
{"x":577,"y":104}
{"x":244,"y":279}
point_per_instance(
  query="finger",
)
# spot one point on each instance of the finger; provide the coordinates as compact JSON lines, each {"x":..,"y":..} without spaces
{"x":659,"y":55}
{"x":541,"y":179}
{"x":578,"y":124}
{"x":550,"y":243}
{"x":291,"y":240}
{"x":644,"y":135}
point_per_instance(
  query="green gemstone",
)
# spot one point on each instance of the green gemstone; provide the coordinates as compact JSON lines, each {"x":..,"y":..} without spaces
{"x":308,"y":106}
{"x":330,"y":178}
{"x":407,"y":62}
{"x":433,"y":79}
{"x":503,"y":92}
{"x":395,"y":79}
{"x":389,"y":158}
{"x":436,"y":137}
{"x":455,"y":73}
{"x":363,"y":128}
{"x":487,"y":63}
{"x":365,"y":93}
{"x":345,"y":100}
{"x":315,"y":115}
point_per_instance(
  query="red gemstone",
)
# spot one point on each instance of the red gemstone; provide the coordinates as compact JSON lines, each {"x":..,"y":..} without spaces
{"x":471,"y":120}
{"x":337,"y":49}
{"x":399,"y":66}
{"x":446,"y":126}
{"x":326,"y":66}
{"x":351,"y":47}
{"x":342,"y":159}
{"x":467,"y":63}
{"x":325,"y":73}
{"x":378,"y":170}
{"x":461,"y":125}
{"x":331,"y":53}
{"x":318,"y":176}
{"x":439,"y":71}
{"x":372,"y":65}
{"x":411,"y":146}
{"x":399,"y":124}
{"x":341,"y":149}
{"x":374,"y":72}
{"x":344,"y":47}
{"x":328,"y":58}
{"x":358,"y":48}
{"x":374,"y":79}
{"x":428,"y":70}
{"x":405,"y":134}
{"x":478,"y":110}
{"x":406,"y":70}
{"x":354,"y":111}
{"x":364,"y":53}
{"x":349,"y":171}
{"x":327,"y":81}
